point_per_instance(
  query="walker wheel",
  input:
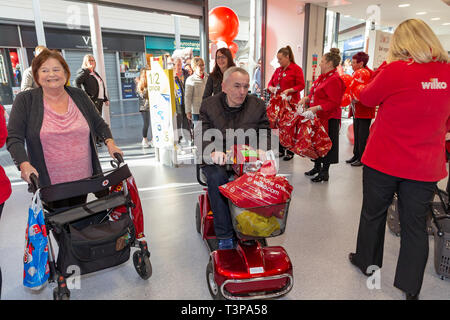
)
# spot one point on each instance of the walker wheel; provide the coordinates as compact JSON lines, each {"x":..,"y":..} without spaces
{"x":59,"y":294}
{"x":142,"y":265}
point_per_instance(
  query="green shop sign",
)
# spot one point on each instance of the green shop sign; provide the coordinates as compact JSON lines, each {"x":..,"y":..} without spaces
{"x":168,"y":44}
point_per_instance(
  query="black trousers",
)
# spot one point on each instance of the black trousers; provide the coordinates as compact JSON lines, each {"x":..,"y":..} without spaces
{"x":414,"y":199}
{"x":146,"y":118}
{"x":361,"y":129}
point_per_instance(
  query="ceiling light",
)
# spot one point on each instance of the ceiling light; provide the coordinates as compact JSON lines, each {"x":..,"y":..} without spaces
{"x":421,"y":13}
{"x":435,"y":19}
{"x":446,"y":24}
{"x":404,"y":5}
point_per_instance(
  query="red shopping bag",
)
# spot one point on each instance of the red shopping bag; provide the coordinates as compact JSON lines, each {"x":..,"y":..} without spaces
{"x":258,"y":190}
{"x":136,"y":209}
{"x":273,"y":110}
{"x":287,"y":125}
{"x":320,"y":140}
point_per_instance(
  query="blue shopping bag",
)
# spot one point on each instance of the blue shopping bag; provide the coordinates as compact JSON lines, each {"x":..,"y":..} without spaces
{"x":36,"y":270}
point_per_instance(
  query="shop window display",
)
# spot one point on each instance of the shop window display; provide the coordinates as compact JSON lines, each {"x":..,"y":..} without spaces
{"x":130,"y":64}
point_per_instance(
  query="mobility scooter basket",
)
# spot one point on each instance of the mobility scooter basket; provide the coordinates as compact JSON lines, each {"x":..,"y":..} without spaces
{"x":259,"y":222}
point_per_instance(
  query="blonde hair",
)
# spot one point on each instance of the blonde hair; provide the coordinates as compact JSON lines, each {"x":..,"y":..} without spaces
{"x":414,"y":39}
{"x":86,"y":63}
{"x":141,"y":84}
{"x":196,"y":61}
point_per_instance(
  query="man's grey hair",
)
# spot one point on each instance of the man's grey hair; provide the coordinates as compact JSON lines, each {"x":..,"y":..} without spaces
{"x":232,"y":70}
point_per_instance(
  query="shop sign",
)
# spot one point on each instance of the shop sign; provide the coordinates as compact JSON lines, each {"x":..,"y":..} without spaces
{"x":160,"y":85}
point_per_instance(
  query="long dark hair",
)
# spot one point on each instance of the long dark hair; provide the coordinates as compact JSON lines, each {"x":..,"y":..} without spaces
{"x":216,"y":73}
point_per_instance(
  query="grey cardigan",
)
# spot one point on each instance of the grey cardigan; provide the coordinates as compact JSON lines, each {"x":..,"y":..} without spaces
{"x":25,"y":124}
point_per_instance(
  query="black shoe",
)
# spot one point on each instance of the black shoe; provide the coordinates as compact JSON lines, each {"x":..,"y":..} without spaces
{"x":288,"y":157}
{"x":357,"y":163}
{"x":351,"y":258}
{"x":322,"y":176}
{"x":412,"y":296}
{"x":351,"y":160}
{"x":312,"y":172}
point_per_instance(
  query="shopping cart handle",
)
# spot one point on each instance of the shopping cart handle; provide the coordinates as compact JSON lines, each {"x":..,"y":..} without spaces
{"x":34,"y":185}
{"x":118,"y":157}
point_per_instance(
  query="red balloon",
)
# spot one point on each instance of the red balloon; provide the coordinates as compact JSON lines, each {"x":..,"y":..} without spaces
{"x":346,"y":99}
{"x":223,"y":24}
{"x":361,"y":76}
{"x":350,"y":134}
{"x":234,"y":47}
{"x":356,"y":91}
{"x":14,"y":58}
{"x":347,"y":79}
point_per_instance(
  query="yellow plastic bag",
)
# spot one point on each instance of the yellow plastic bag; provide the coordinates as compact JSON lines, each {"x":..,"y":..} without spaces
{"x":253,"y":224}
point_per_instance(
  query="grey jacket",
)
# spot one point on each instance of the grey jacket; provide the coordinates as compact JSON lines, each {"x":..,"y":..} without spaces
{"x":28,"y":82}
{"x":25,"y":124}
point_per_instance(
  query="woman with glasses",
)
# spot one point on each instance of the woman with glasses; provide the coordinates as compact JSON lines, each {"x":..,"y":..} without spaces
{"x":224,"y":60}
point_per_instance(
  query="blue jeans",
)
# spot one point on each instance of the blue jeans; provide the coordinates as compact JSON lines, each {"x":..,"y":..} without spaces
{"x":216,"y":176}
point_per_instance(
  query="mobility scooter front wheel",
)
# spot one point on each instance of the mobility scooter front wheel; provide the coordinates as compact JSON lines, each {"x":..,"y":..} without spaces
{"x":198,"y":221}
{"x":142,"y":265}
{"x":213,"y":288}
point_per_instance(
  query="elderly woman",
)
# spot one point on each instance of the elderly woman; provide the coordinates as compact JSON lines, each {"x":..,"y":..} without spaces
{"x":195,"y":86}
{"x":58,"y":125}
{"x":405,"y":152}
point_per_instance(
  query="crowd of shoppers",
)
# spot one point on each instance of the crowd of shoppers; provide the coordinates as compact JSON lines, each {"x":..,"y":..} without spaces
{"x":54,"y":131}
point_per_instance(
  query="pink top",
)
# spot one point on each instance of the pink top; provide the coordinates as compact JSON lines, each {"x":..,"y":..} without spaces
{"x":65,"y":141}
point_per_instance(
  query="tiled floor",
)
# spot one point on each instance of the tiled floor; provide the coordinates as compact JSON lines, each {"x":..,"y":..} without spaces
{"x":321,"y":231}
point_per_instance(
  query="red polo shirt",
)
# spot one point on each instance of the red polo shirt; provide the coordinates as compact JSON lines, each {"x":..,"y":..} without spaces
{"x":328,"y":95}
{"x":5,"y":185}
{"x":407,"y":139}
{"x":292,"y":77}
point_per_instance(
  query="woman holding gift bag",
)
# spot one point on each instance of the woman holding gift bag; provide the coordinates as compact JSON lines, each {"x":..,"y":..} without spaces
{"x":325,"y":101}
{"x":287,"y":79}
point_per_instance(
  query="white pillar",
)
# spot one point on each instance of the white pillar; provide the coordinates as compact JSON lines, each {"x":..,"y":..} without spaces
{"x":97,"y":48}
{"x":176,"y":20}
{"x":39,"y":26}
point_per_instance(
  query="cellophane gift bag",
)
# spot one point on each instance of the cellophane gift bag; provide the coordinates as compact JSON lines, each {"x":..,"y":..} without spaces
{"x":36,"y":269}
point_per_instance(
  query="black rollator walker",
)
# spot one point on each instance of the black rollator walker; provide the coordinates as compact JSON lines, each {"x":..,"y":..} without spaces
{"x":89,"y":239}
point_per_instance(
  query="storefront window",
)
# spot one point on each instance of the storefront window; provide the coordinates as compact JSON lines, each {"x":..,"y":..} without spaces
{"x":130,"y":63}
{"x":10,"y":75}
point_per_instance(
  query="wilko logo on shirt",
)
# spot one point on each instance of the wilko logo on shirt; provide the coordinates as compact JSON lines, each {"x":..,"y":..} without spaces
{"x":434,"y":84}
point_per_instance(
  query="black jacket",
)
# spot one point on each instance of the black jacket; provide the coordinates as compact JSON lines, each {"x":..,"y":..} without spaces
{"x":25,"y":124}
{"x":213,"y":86}
{"x":216,"y":114}
{"x":89,"y":83}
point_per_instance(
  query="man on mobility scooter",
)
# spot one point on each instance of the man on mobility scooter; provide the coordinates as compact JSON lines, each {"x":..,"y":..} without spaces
{"x":231,"y":109}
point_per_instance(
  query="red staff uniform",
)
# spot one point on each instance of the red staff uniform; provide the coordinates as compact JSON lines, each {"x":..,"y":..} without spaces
{"x":292,"y":77}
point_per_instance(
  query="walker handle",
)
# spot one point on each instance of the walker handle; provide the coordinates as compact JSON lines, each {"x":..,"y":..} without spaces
{"x":34,"y":185}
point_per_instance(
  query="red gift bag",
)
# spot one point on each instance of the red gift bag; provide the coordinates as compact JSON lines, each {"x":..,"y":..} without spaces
{"x":320,"y":140}
{"x":273,"y":110}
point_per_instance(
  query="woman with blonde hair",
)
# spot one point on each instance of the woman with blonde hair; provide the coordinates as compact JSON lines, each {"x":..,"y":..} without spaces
{"x":195,"y":86}
{"x":405,"y":152}
{"x":144,"y":107}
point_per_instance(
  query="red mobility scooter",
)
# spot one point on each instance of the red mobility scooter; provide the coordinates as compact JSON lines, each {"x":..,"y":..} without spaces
{"x":252,"y":270}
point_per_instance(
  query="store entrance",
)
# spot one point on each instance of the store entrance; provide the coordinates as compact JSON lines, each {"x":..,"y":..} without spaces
{"x":10,"y":75}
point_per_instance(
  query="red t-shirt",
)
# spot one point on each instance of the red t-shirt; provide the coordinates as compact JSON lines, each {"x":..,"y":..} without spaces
{"x":292,"y":77}
{"x":407,"y":139}
{"x":5,"y":184}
